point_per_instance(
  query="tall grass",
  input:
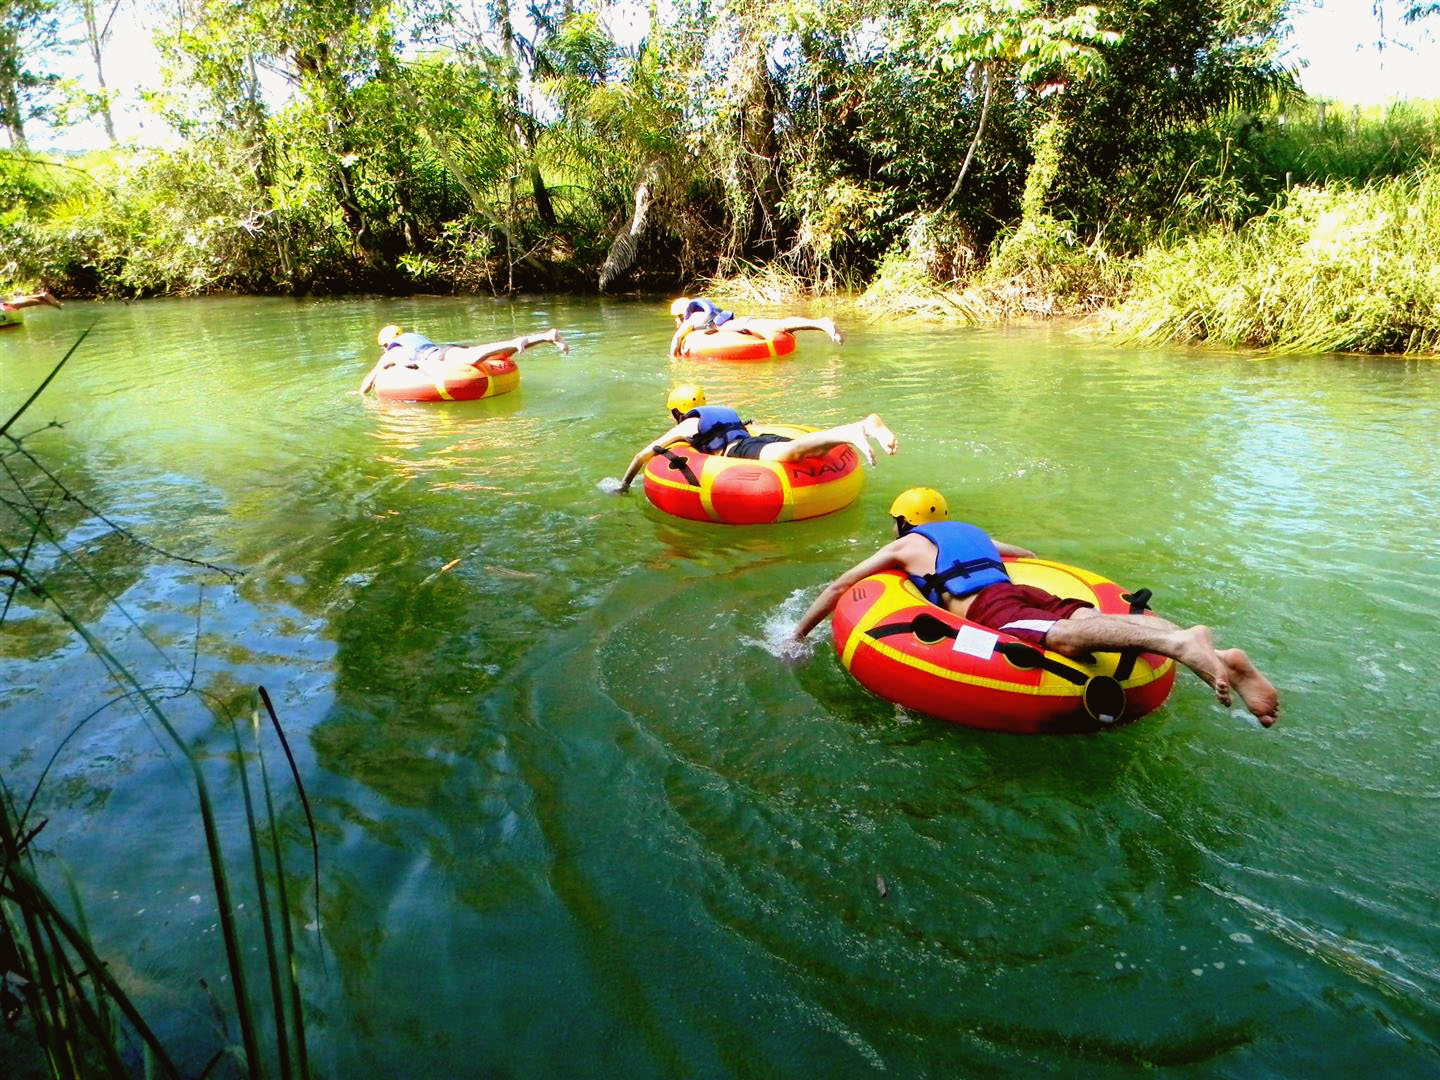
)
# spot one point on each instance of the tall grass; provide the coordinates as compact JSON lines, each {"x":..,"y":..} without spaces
{"x":82,"y":1019}
{"x":1326,"y":270}
{"x":760,"y":283}
{"x":1321,"y":142}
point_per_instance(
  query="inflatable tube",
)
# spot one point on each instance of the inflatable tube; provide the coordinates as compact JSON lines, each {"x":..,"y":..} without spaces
{"x":458,"y":382}
{"x":740,"y":491}
{"x":11,"y":318}
{"x":905,"y":649}
{"x":733,"y":345}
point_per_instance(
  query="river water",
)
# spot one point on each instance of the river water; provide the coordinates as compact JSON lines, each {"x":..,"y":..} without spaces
{"x":576,"y":815}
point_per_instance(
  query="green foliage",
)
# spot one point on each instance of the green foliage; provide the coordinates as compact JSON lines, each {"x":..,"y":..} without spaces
{"x":1238,"y":162}
{"x":30,"y":184}
{"x":1318,"y":143}
{"x":1043,"y":268}
{"x":904,"y":286}
{"x":1022,"y":33}
{"x":1129,"y":133}
{"x":29,"y":30}
{"x":1002,"y":148}
{"x":1330,"y":269}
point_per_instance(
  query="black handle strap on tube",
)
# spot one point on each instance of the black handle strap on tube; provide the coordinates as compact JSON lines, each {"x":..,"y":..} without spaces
{"x":678,"y":462}
{"x":1139,"y":602}
{"x":930,"y":630}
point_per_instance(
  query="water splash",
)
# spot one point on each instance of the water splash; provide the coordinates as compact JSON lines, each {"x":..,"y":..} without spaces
{"x":776,"y":633}
{"x":610,"y":485}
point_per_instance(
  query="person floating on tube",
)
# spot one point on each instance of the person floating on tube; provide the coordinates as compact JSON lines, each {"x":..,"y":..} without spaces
{"x":960,"y":568}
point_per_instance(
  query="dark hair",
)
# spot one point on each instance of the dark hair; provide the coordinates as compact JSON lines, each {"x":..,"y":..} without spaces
{"x":902,"y":526}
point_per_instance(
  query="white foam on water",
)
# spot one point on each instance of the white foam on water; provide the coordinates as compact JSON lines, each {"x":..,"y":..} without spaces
{"x":610,"y":485}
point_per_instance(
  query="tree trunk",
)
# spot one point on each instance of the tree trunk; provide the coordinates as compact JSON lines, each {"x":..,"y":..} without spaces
{"x":95,"y":36}
{"x":1040,"y":178}
{"x":979,"y":130}
{"x":623,"y":249}
{"x":543,"y":206}
{"x":11,"y":119}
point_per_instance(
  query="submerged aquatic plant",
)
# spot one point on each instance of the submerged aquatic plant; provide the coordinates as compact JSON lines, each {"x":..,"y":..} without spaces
{"x":83,"y":1021}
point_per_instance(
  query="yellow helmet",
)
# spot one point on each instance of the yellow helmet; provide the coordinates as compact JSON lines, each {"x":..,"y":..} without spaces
{"x":387,"y":334}
{"x":685,"y":397}
{"x":678,"y":307}
{"x":920,"y":506}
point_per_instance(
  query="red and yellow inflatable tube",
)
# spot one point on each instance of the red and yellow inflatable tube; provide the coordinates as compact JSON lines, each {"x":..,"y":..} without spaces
{"x":733,"y":345}
{"x":740,"y":491}
{"x":458,"y":382}
{"x":903,"y":648}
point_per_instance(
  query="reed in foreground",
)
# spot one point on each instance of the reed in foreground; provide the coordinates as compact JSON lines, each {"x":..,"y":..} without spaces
{"x":81,"y":1018}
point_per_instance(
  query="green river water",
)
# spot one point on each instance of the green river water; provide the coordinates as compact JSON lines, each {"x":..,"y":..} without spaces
{"x":579,"y":818}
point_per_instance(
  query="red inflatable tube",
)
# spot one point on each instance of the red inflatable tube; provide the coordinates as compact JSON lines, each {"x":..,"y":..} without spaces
{"x":903,"y":648}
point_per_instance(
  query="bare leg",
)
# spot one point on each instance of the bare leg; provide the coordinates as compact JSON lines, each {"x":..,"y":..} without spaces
{"x":770,"y":327}
{"x":549,"y":337}
{"x":815,"y":443}
{"x":1193,"y":647}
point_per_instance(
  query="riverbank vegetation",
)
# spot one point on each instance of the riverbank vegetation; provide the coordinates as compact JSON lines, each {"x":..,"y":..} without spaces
{"x":969,"y":159}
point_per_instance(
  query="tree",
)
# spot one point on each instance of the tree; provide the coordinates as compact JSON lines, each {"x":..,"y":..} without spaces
{"x":98,"y":21}
{"x":1017,"y":41}
{"x":1179,"y":63}
{"x":28,"y":28}
{"x":329,"y":51}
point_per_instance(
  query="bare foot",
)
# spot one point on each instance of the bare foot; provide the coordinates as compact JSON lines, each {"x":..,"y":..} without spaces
{"x":45,"y":298}
{"x":1196,"y":650}
{"x":856,"y":438}
{"x":877,"y":429}
{"x":1255,"y":690}
{"x":557,"y":339}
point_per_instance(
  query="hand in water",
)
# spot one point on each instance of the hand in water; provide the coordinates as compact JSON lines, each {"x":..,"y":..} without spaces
{"x":795,"y":650}
{"x":610,"y":486}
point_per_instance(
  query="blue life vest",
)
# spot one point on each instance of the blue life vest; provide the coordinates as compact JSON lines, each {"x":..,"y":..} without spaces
{"x":713,"y":315}
{"x":719,"y":427}
{"x":966,"y":561}
{"x":415,"y":347}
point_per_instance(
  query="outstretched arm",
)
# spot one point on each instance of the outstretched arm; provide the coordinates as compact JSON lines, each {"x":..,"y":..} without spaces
{"x":884,"y":559}
{"x":549,"y":337}
{"x":697,"y":321}
{"x":369,"y":380}
{"x":1013,"y":551}
{"x":679,"y":433}
{"x":15,"y":303}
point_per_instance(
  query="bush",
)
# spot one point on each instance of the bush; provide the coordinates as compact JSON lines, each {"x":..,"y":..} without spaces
{"x":1045,"y":270}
